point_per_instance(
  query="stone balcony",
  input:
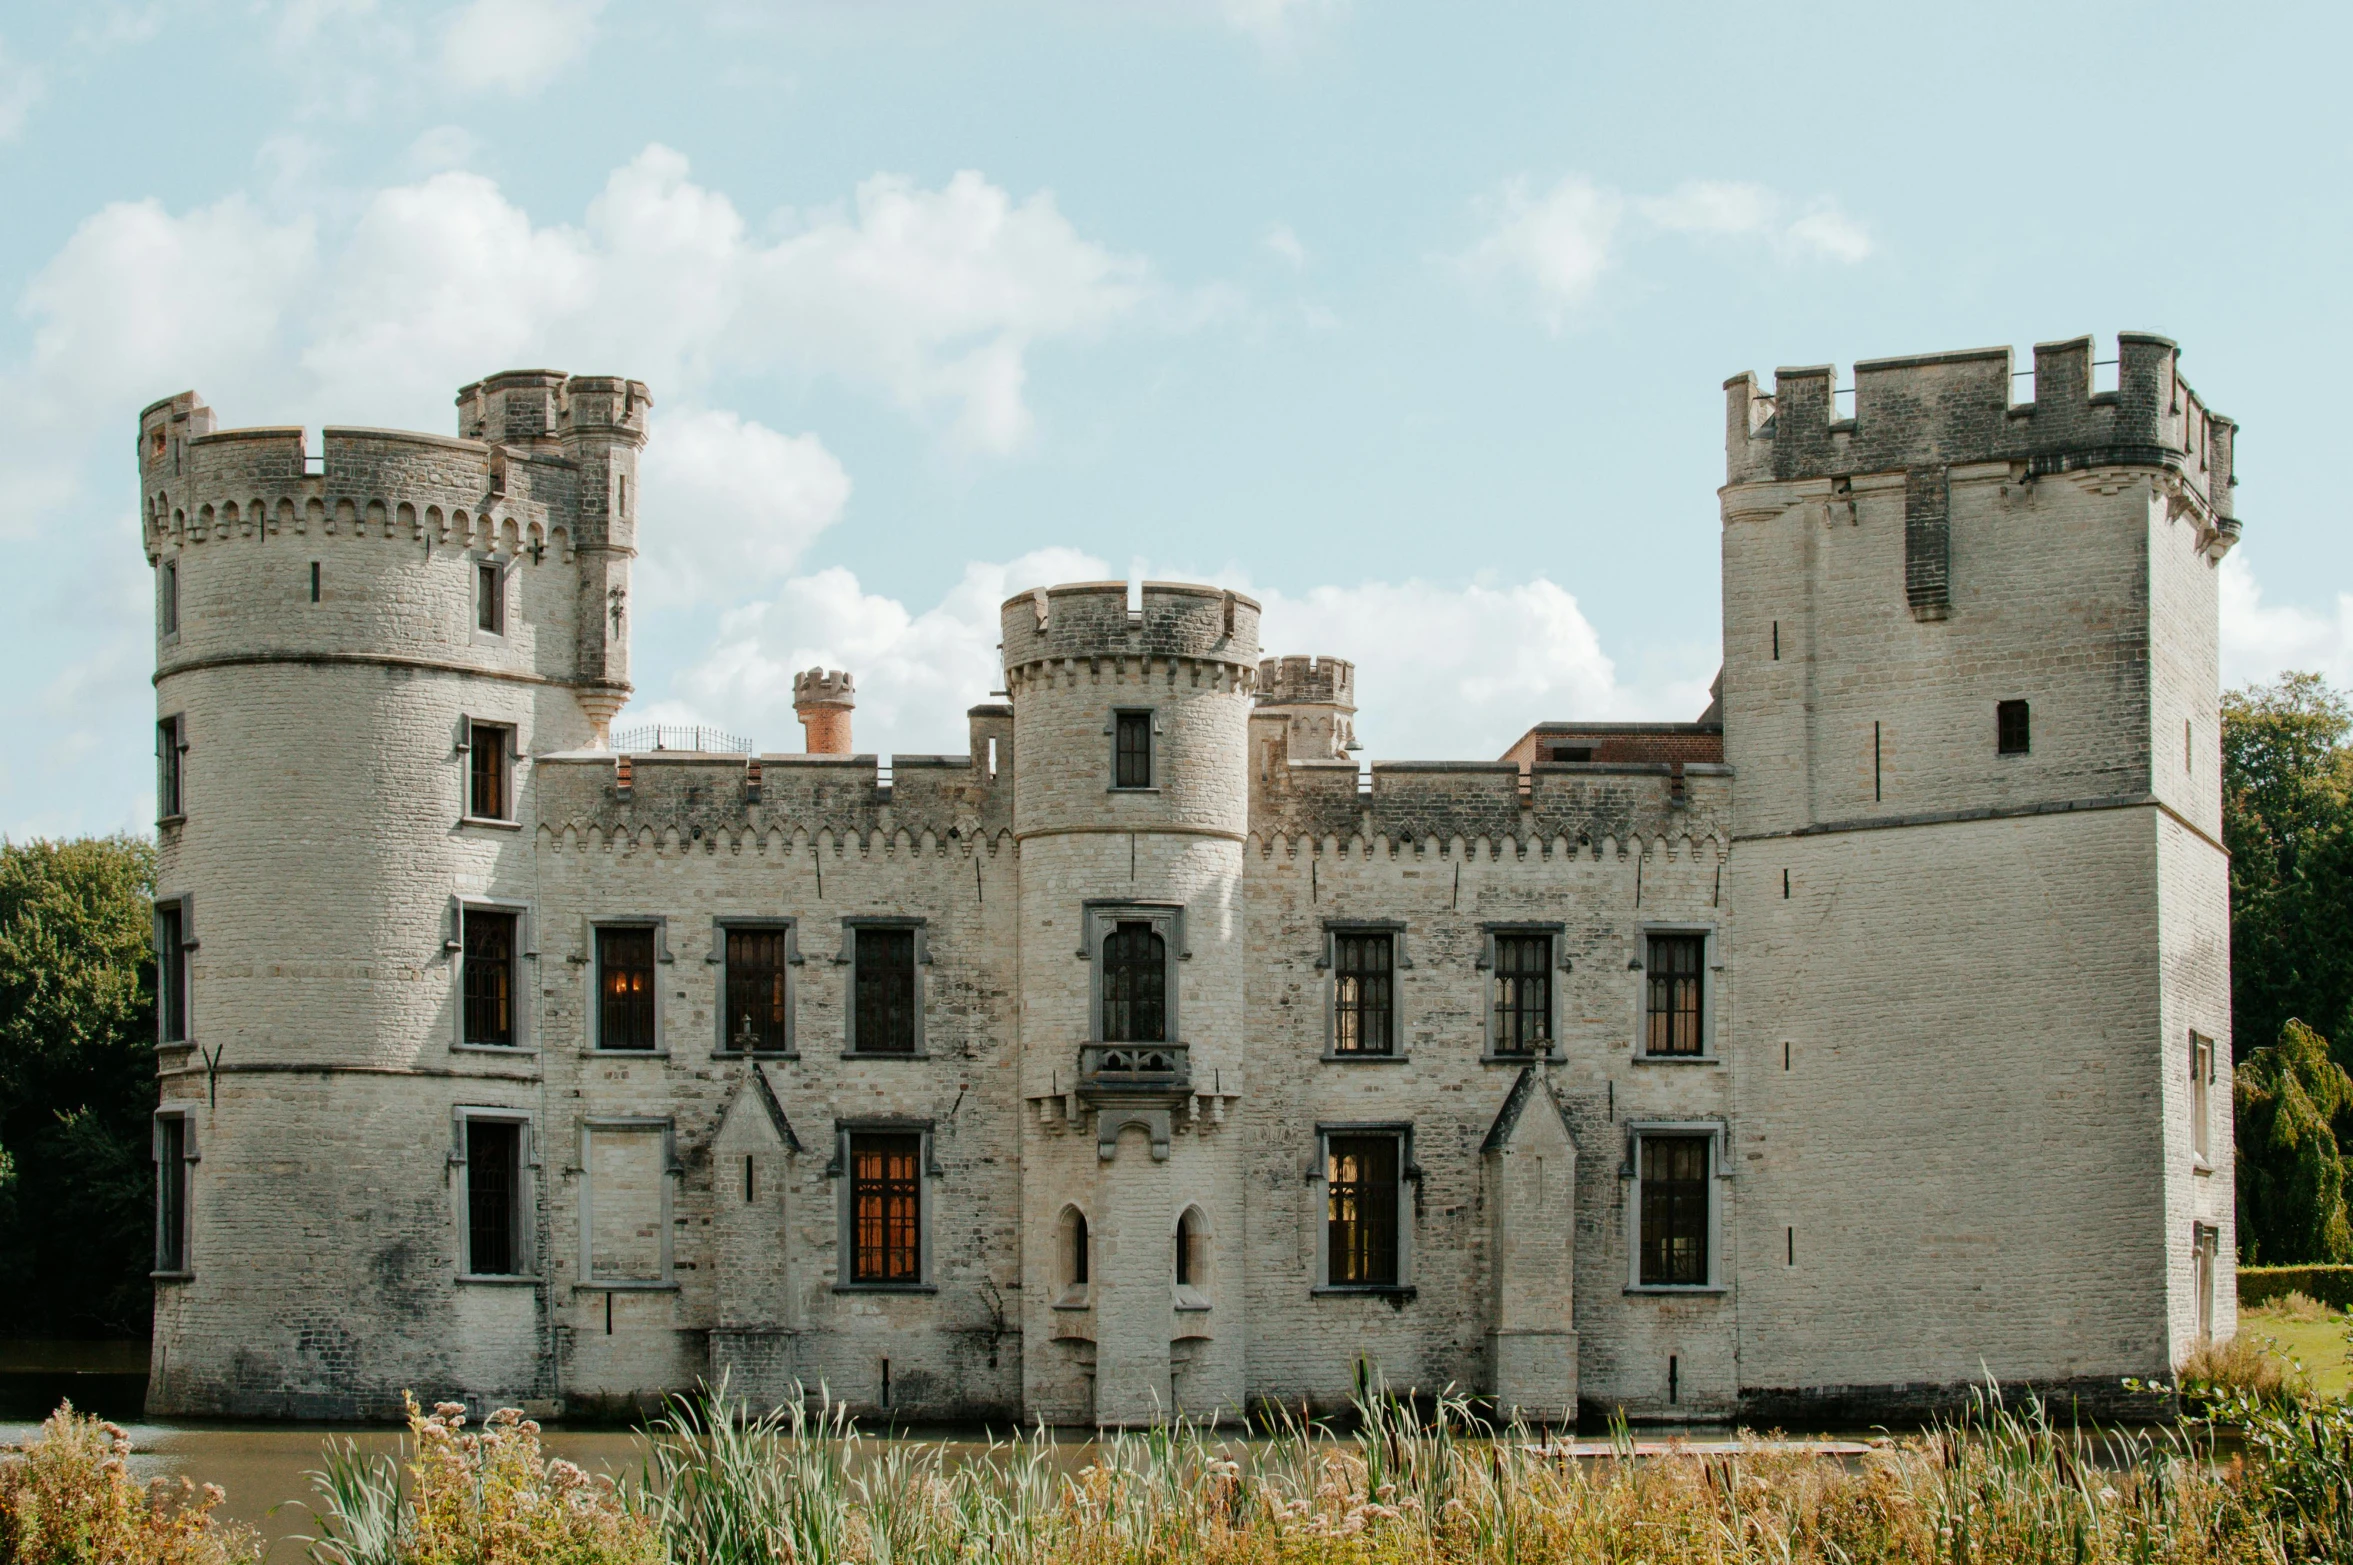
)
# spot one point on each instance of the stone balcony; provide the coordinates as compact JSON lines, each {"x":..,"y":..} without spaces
{"x":1127,"y":1069}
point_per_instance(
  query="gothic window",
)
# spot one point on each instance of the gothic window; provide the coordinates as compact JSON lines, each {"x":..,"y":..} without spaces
{"x":1135,"y":984}
{"x":494,"y":1197}
{"x":884,"y":978}
{"x":1191,"y":1242}
{"x":1674,"y":1213}
{"x":490,"y":771}
{"x":488,"y":971}
{"x":174,"y":1150}
{"x":1361,"y":1200}
{"x":1522,"y":1021}
{"x":625,"y":987}
{"x":1363,"y":1010}
{"x":1131,"y":750}
{"x":1674,"y":974}
{"x":2012,"y":735}
{"x":886,"y":1198}
{"x":1077,"y":1257}
{"x":757,"y":1017}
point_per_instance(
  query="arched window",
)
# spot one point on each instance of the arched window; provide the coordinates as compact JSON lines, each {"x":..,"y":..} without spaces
{"x":1135,"y":985}
{"x":1189,"y":1246}
{"x":1075,"y":1250}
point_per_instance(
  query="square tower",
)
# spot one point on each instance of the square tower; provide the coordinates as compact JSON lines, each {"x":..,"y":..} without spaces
{"x":1970,"y":695}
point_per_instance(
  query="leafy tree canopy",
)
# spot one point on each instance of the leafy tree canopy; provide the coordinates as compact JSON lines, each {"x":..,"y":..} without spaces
{"x":2287,"y":811}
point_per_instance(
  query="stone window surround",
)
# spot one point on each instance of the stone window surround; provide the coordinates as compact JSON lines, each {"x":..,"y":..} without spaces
{"x":2202,"y":1081}
{"x":1711,"y":965}
{"x":167,"y":600}
{"x":2205,"y":1254}
{"x":1485,"y":966}
{"x":593,"y":1012}
{"x":526,"y":950}
{"x":188,"y":1160}
{"x":186,"y":903}
{"x":845,"y":1219}
{"x":847,"y":960}
{"x":507,"y":579}
{"x":1151,"y":756}
{"x":527,"y":1169}
{"x":1399,"y":963}
{"x":171,"y":754}
{"x":1630,"y":1181}
{"x":1409,"y":1172}
{"x":510,"y":734}
{"x":721,"y":923}
{"x":1192,"y":1298}
{"x":1098,"y":917}
{"x":628,"y":1124}
{"x":1071,"y":1294}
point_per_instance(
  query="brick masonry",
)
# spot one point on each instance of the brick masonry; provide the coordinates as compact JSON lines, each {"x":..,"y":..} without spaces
{"x":1949,"y":993}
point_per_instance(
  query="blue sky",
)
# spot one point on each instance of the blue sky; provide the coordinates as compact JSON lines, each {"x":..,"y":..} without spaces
{"x":1410,"y":319}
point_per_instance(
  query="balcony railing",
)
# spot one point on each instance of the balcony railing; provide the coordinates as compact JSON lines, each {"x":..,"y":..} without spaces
{"x":1160,"y":1067}
{"x":690,"y":737}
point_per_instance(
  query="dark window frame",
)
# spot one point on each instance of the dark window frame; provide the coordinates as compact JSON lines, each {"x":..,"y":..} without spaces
{"x":175,"y":989}
{"x":602,"y":1003}
{"x":510,"y":1189}
{"x":2013,"y":728}
{"x":1134,"y":766}
{"x":1674,"y":987}
{"x":1101,"y":920}
{"x":1365,"y":1260}
{"x":1364,"y":964}
{"x":174,"y":1153}
{"x":786,"y":933}
{"x":1689,"y":1206}
{"x":914,"y":1187}
{"x":854,"y":985}
{"x":464,"y":914}
{"x":1134,"y":985}
{"x":171,"y":768}
{"x":491,"y":747}
{"x":1547,"y":1010}
{"x":168,"y":592}
{"x":490,"y":597}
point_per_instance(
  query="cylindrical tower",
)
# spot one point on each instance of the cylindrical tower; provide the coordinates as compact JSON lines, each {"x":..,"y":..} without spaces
{"x":358,"y":656}
{"x":822,"y":700}
{"x":1131,"y":807}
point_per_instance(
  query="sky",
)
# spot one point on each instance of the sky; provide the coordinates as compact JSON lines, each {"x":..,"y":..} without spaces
{"x":1410,"y":320}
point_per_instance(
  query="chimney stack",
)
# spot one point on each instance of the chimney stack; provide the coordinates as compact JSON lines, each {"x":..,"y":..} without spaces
{"x":822,"y":698}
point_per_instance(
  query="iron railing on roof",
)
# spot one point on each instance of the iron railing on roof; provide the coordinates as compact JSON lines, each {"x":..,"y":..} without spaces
{"x":692,"y":737}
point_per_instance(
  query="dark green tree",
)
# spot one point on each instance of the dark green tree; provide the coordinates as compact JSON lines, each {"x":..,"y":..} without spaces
{"x":2287,"y":818}
{"x":77,"y":1086}
{"x":2295,"y":1106}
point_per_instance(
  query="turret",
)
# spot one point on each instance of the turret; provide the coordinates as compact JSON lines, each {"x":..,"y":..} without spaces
{"x":823,"y":699}
{"x":1314,"y":700}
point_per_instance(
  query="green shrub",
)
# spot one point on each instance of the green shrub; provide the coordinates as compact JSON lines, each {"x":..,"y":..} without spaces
{"x":2331,"y":1285}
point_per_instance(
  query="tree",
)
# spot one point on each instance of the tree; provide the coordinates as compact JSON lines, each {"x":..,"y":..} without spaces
{"x":77,"y":1086}
{"x":2287,"y":818}
{"x":2295,"y":1105}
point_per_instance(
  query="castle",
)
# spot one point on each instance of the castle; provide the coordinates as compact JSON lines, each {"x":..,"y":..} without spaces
{"x":1815,"y":1059}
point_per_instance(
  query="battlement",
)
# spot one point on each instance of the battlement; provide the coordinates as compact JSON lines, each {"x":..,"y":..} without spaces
{"x":824,"y":687}
{"x":1945,"y":409}
{"x":1307,"y":681}
{"x":520,"y":407}
{"x":1092,"y":620}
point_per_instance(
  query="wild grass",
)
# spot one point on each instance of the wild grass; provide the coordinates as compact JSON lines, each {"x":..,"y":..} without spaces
{"x":68,"y":1498}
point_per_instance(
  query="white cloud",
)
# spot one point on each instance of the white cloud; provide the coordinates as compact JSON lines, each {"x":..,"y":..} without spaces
{"x":517,"y":45}
{"x":732,"y":504}
{"x":1443,"y":672}
{"x":2260,"y":641}
{"x":21,"y":86}
{"x":1558,"y":244}
{"x":1285,"y":244}
{"x":1276,"y":22}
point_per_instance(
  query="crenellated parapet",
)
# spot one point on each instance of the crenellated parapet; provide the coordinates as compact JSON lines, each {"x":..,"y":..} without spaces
{"x":1443,"y":801}
{"x":1941,"y":410}
{"x":1307,"y":681}
{"x":1086,"y":623}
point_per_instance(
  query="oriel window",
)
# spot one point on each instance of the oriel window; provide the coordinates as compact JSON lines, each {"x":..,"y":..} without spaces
{"x":490,"y":598}
{"x":757,"y":965}
{"x":1361,"y":1216}
{"x":489,"y":784}
{"x":171,"y":972}
{"x":1674,"y":1211}
{"x":2013,"y":733}
{"x":489,"y":949}
{"x":1132,"y":750}
{"x":170,"y":776}
{"x":171,"y":1193}
{"x":494,"y":1191}
{"x":884,"y":962}
{"x":1523,"y":992}
{"x":1675,"y":971}
{"x":1135,"y":984}
{"x":886,"y":1216}
{"x":1363,"y":966}
{"x":625,"y":988}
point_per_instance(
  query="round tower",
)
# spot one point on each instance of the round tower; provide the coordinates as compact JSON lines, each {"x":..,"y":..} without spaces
{"x":1131,"y":806}
{"x":822,"y":700}
{"x":359,"y":653}
{"x":1316,"y":699}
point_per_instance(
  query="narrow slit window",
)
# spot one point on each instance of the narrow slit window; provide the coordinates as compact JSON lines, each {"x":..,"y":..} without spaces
{"x":171,"y":1194}
{"x":884,"y":962}
{"x":490,"y":598}
{"x":171,"y":973}
{"x":490,"y":773}
{"x":886,"y":1208}
{"x":489,"y":949}
{"x":1523,"y":993}
{"x":2201,"y":1095}
{"x":170,"y":753}
{"x":1674,"y":1211}
{"x":168,"y":595}
{"x":1361,"y":1215}
{"x":625,"y":988}
{"x":314,"y":581}
{"x":1135,"y":985}
{"x":1675,"y":977}
{"x":1188,"y":1243}
{"x":2012,"y":729}
{"x":494,"y":1187}
{"x":1075,"y":1245}
{"x":1132,"y":758}
{"x":757,"y":967}
{"x":1362,"y":977}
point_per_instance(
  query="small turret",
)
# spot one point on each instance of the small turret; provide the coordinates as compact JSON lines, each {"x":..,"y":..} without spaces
{"x":1318,"y":698}
{"x":822,"y":699}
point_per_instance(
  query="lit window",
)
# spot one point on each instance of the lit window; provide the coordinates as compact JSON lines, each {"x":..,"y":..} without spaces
{"x":1361,"y":1210}
{"x":1674,"y":1216}
{"x":625,"y":988}
{"x":1363,"y":964}
{"x":1523,"y":993}
{"x":1674,"y":976}
{"x":886,"y":1208}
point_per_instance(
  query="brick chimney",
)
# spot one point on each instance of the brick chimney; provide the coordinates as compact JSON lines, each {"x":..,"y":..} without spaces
{"x":822,"y":698}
